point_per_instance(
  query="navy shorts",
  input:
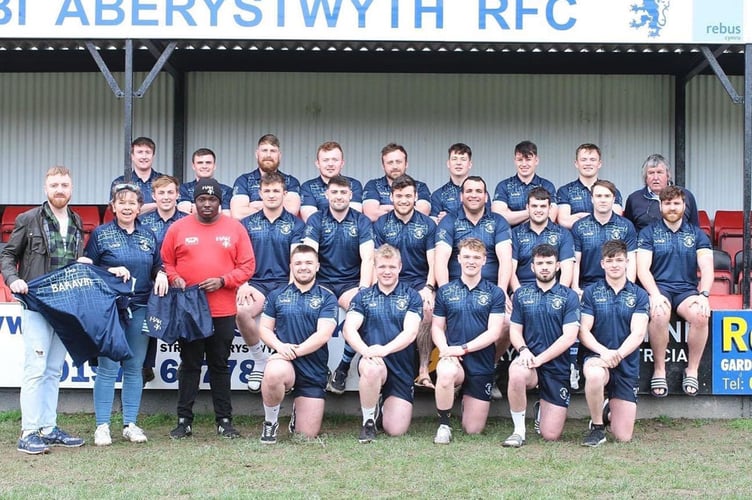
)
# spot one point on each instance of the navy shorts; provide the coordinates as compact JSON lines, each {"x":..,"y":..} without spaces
{"x":307,"y":388}
{"x":676,"y":297}
{"x":340,"y":288}
{"x":266,"y":287}
{"x":478,"y":386}
{"x":621,"y":384}
{"x":554,"y":387}
{"x":397,"y":387}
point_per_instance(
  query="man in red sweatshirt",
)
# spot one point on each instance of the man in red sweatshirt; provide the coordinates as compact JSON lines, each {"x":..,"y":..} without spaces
{"x":213,"y":251}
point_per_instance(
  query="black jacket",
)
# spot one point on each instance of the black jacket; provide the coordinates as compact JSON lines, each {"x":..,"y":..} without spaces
{"x":26,"y":255}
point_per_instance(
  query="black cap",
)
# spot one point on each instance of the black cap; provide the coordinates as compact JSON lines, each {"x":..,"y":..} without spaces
{"x":207,"y":186}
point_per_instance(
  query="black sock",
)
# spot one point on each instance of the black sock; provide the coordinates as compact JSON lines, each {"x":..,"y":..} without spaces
{"x":444,"y":416}
{"x":599,"y":426}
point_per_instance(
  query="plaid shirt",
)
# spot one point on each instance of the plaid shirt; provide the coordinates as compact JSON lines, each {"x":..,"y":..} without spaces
{"x":62,"y":249}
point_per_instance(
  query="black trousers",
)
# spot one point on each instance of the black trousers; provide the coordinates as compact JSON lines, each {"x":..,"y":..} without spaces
{"x":216,"y":349}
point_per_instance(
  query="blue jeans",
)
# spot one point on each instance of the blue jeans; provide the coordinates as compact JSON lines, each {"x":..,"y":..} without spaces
{"x":133,"y":384}
{"x":44,"y":355}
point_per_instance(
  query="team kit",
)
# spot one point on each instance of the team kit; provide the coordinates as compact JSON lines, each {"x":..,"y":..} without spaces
{"x":569,"y":280}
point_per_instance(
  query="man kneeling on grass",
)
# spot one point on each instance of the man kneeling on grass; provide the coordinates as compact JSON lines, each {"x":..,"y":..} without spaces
{"x":381,"y":325}
{"x":297,"y":322}
{"x":544,"y":324}
{"x":467,"y":322}
{"x":613,"y":325}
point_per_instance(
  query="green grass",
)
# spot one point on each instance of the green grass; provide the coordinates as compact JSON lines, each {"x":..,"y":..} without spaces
{"x":667,"y":459}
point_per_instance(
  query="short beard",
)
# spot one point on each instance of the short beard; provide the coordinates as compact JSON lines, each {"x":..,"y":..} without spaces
{"x":58,"y":202}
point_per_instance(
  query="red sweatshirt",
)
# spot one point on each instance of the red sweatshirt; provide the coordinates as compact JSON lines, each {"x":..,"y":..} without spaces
{"x":195,"y":251}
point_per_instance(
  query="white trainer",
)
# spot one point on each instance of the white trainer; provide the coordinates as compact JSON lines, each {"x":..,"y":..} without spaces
{"x":443,"y":435}
{"x":102,"y":435}
{"x":134,"y":433}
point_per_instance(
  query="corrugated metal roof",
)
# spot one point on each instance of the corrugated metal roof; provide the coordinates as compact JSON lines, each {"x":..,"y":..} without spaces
{"x":365,"y":46}
{"x":370,"y":57}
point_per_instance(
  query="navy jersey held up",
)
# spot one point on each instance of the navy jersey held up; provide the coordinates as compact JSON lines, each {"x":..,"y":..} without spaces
{"x":81,"y":302}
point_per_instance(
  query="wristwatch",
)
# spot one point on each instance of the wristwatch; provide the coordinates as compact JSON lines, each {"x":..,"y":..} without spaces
{"x":705,"y":293}
{"x":464,"y":348}
{"x":522,"y":348}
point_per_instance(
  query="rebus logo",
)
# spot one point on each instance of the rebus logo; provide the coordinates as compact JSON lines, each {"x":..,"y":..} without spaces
{"x":722,"y":29}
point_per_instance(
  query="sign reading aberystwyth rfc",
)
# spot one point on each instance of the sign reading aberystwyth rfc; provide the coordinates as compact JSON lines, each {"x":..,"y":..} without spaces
{"x":507,"y":21}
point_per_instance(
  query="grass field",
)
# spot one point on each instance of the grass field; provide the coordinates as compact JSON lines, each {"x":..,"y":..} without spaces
{"x":667,"y":459}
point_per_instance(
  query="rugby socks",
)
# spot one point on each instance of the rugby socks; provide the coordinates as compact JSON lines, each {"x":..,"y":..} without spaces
{"x":271,"y":413}
{"x":347,"y":356}
{"x":259,"y":356}
{"x":518,"y":419}
{"x":368,"y":414}
{"x":257,"y":351}
{"x":444,"y":416}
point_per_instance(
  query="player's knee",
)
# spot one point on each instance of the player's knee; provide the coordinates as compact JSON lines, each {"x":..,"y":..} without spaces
{"x":623,"y":435}
{"x":659,"y":320}
{"x":518,"y":373}
{"x":594,"y":375}
{"x":550,"y":435}
{"x":698,"y":320}
{"x":395,"y":428}
{"x":371,"y":373}
{"x":473,"y":427}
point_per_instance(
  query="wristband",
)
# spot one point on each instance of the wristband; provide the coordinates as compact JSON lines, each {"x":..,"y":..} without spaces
{"x":430,"y":287}
{"x":522,"y":348}
{"x":464,"y":348}
{"x":222,"y":282}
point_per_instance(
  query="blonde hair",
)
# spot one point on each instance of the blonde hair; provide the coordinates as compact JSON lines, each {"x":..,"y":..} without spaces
{"x":386,"y":251}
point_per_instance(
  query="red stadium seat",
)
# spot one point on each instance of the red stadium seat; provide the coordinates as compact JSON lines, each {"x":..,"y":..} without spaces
{"x":9,"y":219}
{"x":729,"y":230}
{"x":721,"y":302}
{"x":723,"y":281}
{"x":89,"y":217}
{"x":705,"y":224}
{"x":108,"y":215}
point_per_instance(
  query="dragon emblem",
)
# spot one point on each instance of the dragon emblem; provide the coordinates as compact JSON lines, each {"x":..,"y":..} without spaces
{"x":650,"y":13}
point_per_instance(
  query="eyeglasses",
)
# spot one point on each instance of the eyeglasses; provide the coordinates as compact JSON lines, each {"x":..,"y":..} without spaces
{"x":125,"y":187}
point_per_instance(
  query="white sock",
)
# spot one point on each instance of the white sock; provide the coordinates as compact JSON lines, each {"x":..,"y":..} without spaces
{"x":257,"y":350}
{"x":518,"y":418}
{"x":47,"y":430}
{"x":27,"y":433}
{"x":368,"y":414}
{"x":271,"y":413}
{"x":259,"y":356}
